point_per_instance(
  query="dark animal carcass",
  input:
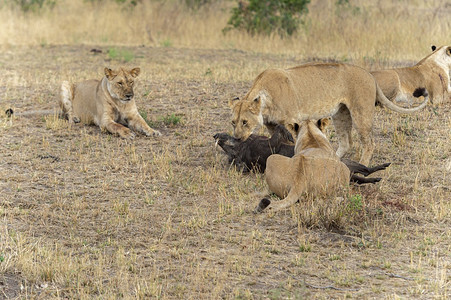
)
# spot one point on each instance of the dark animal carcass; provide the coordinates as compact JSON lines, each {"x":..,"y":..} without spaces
{"x":252,"y":153}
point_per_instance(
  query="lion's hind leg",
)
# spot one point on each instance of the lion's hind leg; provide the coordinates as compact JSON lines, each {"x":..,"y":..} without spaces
{"x":362,"y":118}
{"x":343,"y":125}
{"x":66,"y":102}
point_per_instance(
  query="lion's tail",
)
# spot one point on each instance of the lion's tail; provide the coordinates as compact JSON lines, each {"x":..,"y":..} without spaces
{"x":384,"y":101}
{"x":67,"y":95}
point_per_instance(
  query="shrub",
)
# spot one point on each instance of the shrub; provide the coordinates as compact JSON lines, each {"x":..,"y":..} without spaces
{"x":196,"y":4}
{"x":130,"y":3}
{"x":33,"y":5}
{"x":344,"y":9}
{"x":267,"y":16}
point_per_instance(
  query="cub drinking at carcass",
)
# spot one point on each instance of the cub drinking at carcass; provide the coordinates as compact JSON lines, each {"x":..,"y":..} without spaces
{"x":314,"y":169}
{"x":251,"y":154}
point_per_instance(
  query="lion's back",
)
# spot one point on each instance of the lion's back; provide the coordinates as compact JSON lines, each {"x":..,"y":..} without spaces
{"x":317,"y":84}
{"x":325,"y":174}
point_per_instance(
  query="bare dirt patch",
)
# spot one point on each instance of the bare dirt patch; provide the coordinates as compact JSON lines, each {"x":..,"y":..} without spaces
{"x":86,"y":214}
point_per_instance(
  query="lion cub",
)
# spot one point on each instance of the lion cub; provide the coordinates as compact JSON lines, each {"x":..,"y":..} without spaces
{"x":314,"y":169}
{"x":107,"y":103}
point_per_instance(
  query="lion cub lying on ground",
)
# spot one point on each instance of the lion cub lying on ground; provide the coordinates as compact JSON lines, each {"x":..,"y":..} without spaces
{"x":430,"y":76}
{"x":314,"y":169}
{"x":108,"y":103}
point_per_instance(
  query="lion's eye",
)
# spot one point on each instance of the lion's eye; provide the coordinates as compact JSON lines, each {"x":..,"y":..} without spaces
{"x":120,"y":83}
{"x":244,"y":122}
{"x":233,"y":123}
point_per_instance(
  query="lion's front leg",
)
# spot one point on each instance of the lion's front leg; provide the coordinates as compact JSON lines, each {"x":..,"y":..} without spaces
{"x":137,"y":123}
{"x":116,"y":128}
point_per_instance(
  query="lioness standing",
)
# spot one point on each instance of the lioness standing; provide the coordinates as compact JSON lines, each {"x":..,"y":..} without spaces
{"x":313,"y":91}
{"x":108,"y":103}
{"x":431,"y":73}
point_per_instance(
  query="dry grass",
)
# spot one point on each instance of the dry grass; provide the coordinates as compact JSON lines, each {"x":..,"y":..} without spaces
{"x":85,"y":214}
{"x":363,"y":30}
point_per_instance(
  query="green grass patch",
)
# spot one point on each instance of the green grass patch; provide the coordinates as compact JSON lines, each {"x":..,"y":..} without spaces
{"x":167,"y":120}
{"x":120,"y":55}
{"x":166,"y":43}
{"x":171,"y":120}
{"x":355,"y":202}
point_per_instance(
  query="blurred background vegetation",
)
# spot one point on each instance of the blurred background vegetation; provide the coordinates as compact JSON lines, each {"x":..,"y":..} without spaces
{"x":340,"y":29}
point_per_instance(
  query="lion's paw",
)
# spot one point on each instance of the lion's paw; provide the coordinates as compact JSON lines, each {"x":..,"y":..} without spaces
{"x":153,"y":133}
{"x":128,"y":135}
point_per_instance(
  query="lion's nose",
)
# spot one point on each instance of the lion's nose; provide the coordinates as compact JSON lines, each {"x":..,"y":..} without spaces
{"x":129,"y":95}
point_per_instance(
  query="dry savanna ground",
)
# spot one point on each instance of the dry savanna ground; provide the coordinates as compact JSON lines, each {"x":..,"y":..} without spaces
{"x":85,"y":214}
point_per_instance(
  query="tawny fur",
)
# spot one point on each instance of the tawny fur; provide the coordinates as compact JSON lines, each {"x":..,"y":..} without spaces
{"x":315,"y":169}
{"x":314,"y":91}
{"x":431,"y":73}
{"x":108,"y":103}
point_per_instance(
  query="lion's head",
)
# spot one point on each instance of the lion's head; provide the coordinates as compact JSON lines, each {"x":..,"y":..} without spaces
{"x":120,"y":83}
{"x":442,"y":56}
{"x":246,"y":116}
{"x":310,"y":134}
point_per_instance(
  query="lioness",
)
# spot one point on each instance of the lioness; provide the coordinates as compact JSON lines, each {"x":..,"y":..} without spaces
{"x":314,"y":91}
{"x":314,"y":169}
{"x":107,"y":103}
{"x":431,"y":73}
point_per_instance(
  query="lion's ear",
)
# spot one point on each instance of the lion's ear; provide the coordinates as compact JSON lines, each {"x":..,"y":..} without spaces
{"x":291,"y":127}
{"x":135,"y":72}
{"x":233,"y":101}
{"x":261,"y":98}
{"x":110,"y":74}
{"x":292,"y":131}
{"x":433,"y":47}
{"x":256,"y":105}
{"x":323,"y":123}
{"x":296,"y":128}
